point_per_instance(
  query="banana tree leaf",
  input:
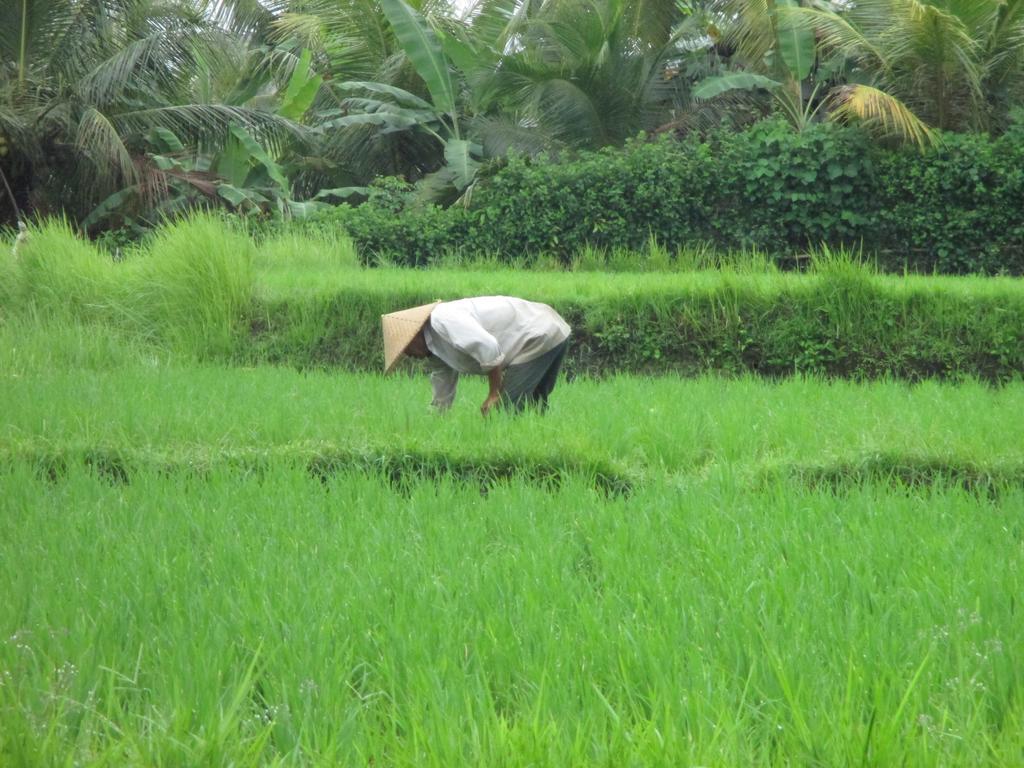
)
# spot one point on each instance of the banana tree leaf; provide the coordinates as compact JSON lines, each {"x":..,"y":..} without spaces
{"x":458,"y":158}
{"x":796,"y":40}
{"x":166,"y":140}
{"x":373,"y":106}
{"x":240,"y":197}
{"x":199,"y":180}
{"x":462,"y":54}
{"x":710,"y":87}
{"x":234,"y":162}
{"x":391,"y":122}
{"x":249,"y":86}
{"x":401,"y":96}
{"x":256,"y":151}
{"x":423,"y":48}
{"x":165,"y":163}
{"x":343,"y":192}
{"x":302,"y":209}
{"x":302,"y":89}
{"x":109,"y":206}
{"x":435,"y":188}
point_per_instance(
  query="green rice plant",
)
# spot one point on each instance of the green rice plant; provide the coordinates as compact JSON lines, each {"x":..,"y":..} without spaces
{"x":696,"y":257}
{"x":621,"y":259}
{"x":319,"y":250}
{"x":544,"y":262}
{"x":839,"y":322}
{"x":749,"y":261}
{"x":30,"y":346}
{"x":460,"y":261}
{"x":204,"y":290}
{"x":657,"y":258}
{"x":589,"y":258}
{"x":211,"y":565}
{"x":274,"y":618}
{"x":9,"y":288}
{"x":826,"y":259}
{"x":639,"y":429}
{"x":8,"y":274}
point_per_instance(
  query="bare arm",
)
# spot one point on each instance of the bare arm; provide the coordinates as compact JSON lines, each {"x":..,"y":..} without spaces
{"x":494,"y":380}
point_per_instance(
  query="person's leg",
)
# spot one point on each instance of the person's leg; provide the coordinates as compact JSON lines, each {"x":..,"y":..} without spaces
{"x":532,"y":382}
{"x":518,"y":383}
{"x":547,"y":382}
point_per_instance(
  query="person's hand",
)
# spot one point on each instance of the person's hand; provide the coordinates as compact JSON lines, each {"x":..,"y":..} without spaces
{"x":489,"y":403}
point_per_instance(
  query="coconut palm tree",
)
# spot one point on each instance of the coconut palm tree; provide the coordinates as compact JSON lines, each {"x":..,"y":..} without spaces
{"x":590,"y":73}
{"x":84,"y":83}
{"x":897,"y":65}
{"x":958,"y":64}
{"x":775,"y":51}
{"x":515,"y":74}
{"x":371,"y":89}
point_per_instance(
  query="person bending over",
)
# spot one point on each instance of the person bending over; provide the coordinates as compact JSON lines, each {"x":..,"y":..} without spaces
{"x":519,"y":345}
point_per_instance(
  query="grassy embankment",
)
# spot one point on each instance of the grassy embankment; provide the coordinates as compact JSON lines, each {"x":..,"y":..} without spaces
{"x":207,"y":292}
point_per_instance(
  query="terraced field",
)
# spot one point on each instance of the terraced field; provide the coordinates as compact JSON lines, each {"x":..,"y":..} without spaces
{"x":209,"y":564}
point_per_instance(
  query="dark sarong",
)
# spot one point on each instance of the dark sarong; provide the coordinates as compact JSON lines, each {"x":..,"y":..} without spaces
{"x":531,"y":383}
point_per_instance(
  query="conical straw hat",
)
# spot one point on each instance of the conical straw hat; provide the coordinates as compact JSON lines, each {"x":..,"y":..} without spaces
{"x":400,"y":328}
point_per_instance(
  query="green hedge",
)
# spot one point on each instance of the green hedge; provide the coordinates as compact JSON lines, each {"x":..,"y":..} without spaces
{"x":955,"y":208}
{"x":842,"y":322}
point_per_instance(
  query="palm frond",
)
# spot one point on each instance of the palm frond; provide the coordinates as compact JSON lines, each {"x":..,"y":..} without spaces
{"x":1004,"y":38}
{"x":210,"y":123}
{"x":111,"y":77}
{"x":503,"y":133}
{"x":100,"y":140}
{"x":495,"y":22}
{"x":31,"y":41}
{"x":569,"y":112}
{"x":352,"y":36}
{"x":881,"y":113}
{"x":308,"y":29}
{"x":747,"y":28}
{"x":14,"y":125}
{"x":837,"y":33}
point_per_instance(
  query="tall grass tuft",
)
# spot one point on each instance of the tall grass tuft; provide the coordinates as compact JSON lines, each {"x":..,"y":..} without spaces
{"x":826,"y":260}
{"x":848,"y":292}
{"x":188,"y":289}
{"x":192,"y":287}
{"x":57,"y":274}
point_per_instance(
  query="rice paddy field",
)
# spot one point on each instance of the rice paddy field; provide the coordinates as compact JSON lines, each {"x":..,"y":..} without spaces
{"x":210,"y":564}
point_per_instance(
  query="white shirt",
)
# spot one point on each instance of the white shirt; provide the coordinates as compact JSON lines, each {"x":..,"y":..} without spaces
{"x":480,"y":334}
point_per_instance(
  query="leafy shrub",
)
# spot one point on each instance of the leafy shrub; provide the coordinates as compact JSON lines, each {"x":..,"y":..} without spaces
{"x":957,"y":208}
{"x":954,"y":208}
{"x":390,"y":228}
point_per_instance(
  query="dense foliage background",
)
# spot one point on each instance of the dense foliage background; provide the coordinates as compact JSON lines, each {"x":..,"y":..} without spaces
{"x":118,"y":113}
